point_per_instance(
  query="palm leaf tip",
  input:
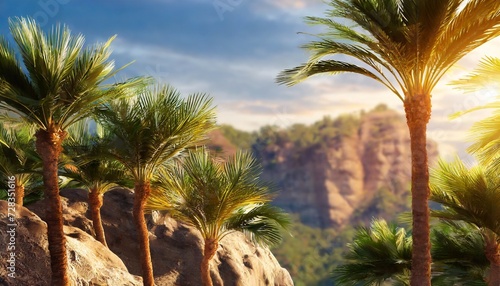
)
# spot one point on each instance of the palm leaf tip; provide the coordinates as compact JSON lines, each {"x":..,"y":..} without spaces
{"x":290,"y":77}
{"x":263,"y":224}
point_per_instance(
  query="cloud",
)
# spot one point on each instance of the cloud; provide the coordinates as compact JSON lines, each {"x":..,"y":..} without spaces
{"x":236,"y":60}
{"x":293,"y":4}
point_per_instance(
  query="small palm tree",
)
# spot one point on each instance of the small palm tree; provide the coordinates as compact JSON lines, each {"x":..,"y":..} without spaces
{"x":381,"y":253}
{"x":485,"y":133}
{"x":90,"y":169}
{"x":458,"y":254}
{"x":218,"y":198}
{"x":471,"y":195}
{"x":60,"y":83}
{"x":149,"y":131}
{"x":18,"y":158}
{"x":407,"y":46}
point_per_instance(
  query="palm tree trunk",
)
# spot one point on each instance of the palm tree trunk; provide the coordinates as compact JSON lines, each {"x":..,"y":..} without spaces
{"x":142,"y":191}
{"x":492,"y":252}
{"x":95,"y":202}
{"x":49,"y":146}
{"x":19,"y":194}
{"x":209,"y":251}
{"x":418,"y":110}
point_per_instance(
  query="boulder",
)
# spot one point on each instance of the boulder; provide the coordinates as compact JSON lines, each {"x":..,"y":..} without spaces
{"x":90,"y":263}
{"x":176,"y":248}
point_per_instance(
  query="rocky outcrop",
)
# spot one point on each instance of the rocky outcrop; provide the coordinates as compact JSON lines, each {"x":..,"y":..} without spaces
{"x":220,"y":145}
{"x":90,"y":263}
{"x":328,"y":182}
{"x":175,"y":248}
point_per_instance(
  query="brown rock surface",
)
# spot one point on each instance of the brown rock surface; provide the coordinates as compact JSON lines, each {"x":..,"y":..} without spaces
{"x":328,"y":182}
{"x":220,"y":145}
{"x":90,"y":263}
{"x":175,"y":248}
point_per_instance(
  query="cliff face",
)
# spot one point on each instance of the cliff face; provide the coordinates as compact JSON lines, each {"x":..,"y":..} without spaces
{"x":338,"y":179}
{"x":176,"y":249}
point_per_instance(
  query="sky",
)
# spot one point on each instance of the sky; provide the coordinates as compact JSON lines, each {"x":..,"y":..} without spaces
{"x":233,"y":50}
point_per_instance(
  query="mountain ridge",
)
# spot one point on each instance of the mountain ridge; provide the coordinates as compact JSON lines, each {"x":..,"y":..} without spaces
{"x":337,"y":171}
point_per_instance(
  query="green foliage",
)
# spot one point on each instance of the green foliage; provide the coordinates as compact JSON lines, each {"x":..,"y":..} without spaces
{"x":381,"y":107}
{"x":61,"y":81}
{"x":381,"y":254}
{"x":240,"y":139}
{"x":88,"y":164}
{"x":385,"y":205}
{"x":458,"y":253}
{"x":467,"y":194}
{"x":377,"y":254}
{"x":318,"y":135}
{"x":18,"y":158}
{"x":328,"y":129}
{"x":485,"y":133}
{"x":322,"y":133}
{"x":310,"y":254}
{"x":32,"y":197}
{"x":217,"y":197}
{"x":156,"y":126}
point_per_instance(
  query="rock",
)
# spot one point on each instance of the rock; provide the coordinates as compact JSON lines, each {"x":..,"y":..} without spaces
{"x":329,"y":182}
{"x":176,"y":248}
{"x":90,"y":263}
{"x":220,"y":145}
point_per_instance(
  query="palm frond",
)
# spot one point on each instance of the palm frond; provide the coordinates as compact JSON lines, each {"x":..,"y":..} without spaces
{"x":486,"y":74}
{"x":485,"y":133}
{"x":218,"y":197}
{"x":458,"y":254}
{"x":302,"y":72}
{"x":64,"y":82}
{"x":88,"y":163}
{"x":262,"y":224}
{"x":18,"y":156}
{"x":468,"y":194}
{"x":155,"y":127}
{"x":377,"y":254}
{"x":407,"y":45}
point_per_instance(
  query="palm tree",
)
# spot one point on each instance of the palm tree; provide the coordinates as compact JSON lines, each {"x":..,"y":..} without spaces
{"x":60,"y":83}
{"x":18,"y":158}
{"x":381,"y":253}
{"x":485,"y":133}
{"x":90,"y":169}
{"x":407,"y":46}
{"x":471,"y":195}
{"x":148,"y":132}
{"x":217,"y":198}
{"x":458,"y":254}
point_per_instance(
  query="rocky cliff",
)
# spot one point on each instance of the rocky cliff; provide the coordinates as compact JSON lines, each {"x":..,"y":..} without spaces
{"x":341,"y":170}
{"x":176,"y":249}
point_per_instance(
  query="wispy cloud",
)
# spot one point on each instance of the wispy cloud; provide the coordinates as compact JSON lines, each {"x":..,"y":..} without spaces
{"x":236,"y":60}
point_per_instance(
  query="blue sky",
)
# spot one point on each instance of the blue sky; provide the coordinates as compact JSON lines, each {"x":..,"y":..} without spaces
{"x":233,"y":50}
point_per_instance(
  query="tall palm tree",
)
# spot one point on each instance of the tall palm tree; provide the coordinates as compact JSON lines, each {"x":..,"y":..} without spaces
{"x":471,"y":195}
{"x":407,"y":46}
{"x":148,"y":132}
{"x":59,"y":83}
{"x":381,"y":253}
{"x":486,"y":132}
{"x":18,"y":158}
{"x":218,"y":198}
{"x":90,"y":168}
